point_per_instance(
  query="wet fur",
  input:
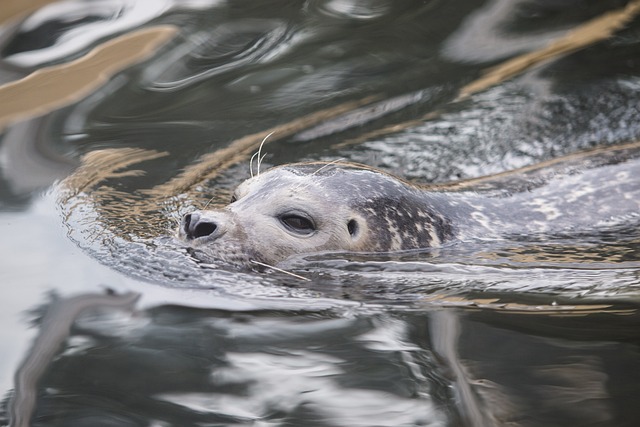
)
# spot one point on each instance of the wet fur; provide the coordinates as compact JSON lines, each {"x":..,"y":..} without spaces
{"x":577,"y":193}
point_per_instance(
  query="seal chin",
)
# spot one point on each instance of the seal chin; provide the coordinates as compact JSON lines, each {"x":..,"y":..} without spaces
{"x":223,"y":252}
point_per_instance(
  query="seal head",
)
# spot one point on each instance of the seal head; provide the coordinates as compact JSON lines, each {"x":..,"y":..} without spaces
{"x":313,"y":207}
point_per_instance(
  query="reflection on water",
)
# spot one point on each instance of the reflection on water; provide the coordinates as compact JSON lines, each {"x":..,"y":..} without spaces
{"x":62,"y":29}
{"x":336,"y":367}
{"x":502,"y":28}
{"x":142,"y":110}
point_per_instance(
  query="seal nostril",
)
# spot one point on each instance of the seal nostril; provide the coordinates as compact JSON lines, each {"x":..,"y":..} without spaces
{"x":204,"y":229}
{"x":352,"y":226}
{"x":193,"y":225}
{"x":186,"y":220}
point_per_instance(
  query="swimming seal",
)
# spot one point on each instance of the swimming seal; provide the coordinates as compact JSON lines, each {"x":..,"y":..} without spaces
{"x":312,"y":207}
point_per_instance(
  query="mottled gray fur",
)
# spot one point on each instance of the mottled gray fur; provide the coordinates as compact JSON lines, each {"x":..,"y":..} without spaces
{"x":356,"y":208}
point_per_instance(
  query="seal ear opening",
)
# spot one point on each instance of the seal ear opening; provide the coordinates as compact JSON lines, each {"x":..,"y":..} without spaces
{"x":352,"y":226}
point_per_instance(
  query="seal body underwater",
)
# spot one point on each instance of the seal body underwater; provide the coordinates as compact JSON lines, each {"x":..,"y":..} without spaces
{"x":313,"y":207}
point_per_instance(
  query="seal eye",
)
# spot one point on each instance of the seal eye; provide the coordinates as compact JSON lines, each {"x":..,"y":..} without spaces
{"x":298,"y":224}
{"x":233,"y":199}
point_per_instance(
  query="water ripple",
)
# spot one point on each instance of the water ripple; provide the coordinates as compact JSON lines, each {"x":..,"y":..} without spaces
{"x":223,"y":49}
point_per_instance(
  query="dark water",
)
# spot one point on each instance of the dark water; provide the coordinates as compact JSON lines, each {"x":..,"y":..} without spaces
{"x":107,"y":321}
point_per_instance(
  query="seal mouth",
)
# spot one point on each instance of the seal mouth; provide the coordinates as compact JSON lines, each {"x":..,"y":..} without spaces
{"x":229,"y":255}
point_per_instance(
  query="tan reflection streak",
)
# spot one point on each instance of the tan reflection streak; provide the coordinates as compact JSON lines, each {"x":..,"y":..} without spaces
{"x":578,"y":388}
{"x":563,"y":254}
{"x":211,"y":164}
{"x":119,"y":212}
{"x":598,"y":29}
{"x":562,"y":310}
{"x":100,"y":165}
{"x":531,"y":172}
{"x":50,"y":88}
{"x":12,"y":9}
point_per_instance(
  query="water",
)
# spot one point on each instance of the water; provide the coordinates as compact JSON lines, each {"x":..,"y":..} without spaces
{"x":106,"y":320}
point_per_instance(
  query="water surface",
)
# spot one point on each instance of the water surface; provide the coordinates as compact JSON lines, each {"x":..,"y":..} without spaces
{"x":107,"y":320}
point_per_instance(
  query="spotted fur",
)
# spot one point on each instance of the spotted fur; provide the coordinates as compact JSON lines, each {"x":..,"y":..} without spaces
{"x":357,"y":208}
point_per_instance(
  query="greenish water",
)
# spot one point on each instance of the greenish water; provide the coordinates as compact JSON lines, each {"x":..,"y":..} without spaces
{"x":108,"y":321}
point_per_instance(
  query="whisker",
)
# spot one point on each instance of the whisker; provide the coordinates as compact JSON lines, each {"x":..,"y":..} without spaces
{"x":207,"y":204}
{"x":251,"y":163}
{"x":260,"y":150}
{"x":297,"y":276}
{"x":333,"y":162}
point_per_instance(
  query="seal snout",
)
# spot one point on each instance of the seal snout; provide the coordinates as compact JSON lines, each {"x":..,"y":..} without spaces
{"x":195,"y":225}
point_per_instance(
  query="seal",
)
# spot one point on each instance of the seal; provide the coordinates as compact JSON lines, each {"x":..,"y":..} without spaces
{"x":313,"y":207}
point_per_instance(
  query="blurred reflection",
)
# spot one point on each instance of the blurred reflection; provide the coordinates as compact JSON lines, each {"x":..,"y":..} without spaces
{"x":502,"y":28}
{"x":28,"y":162}
{"x":55,"y":330}
{"x":355,"y":9}
{"x":65,"y":28}
{"x":95,"y":360}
